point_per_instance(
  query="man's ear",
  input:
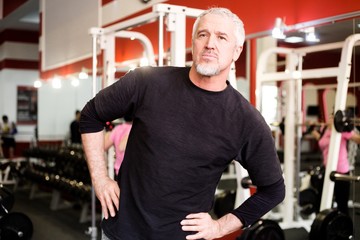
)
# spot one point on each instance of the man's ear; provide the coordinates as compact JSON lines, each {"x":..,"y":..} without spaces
{"x":237,"y":53}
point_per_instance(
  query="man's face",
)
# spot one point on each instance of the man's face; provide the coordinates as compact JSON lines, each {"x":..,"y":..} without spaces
{"x":214,"y":45}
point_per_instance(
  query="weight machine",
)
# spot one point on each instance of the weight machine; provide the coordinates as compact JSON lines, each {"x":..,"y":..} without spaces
{"x":293,"y":75}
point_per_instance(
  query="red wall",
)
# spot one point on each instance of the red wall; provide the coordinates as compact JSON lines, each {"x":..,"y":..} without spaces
{"x":257,"y":15}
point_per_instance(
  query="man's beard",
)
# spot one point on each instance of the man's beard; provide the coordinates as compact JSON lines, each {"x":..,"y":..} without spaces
{"x":207,"y":70}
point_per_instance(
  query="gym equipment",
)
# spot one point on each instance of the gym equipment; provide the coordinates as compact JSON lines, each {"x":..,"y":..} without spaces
{"x":6,"y":201}
{"x":16,"y":226}
{"x":13,"y":225}
{"x":344,"y":122}
{"x":330,"y":224}
{"x":263,"y":229}
{"x":309,"y":201}
{"x":63,"y":169}
{"x":310,"y":198}
{"x":294,"y":76}
{"x":343,"y":177}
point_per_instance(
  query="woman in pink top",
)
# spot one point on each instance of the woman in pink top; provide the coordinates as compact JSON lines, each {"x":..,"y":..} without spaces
{"x":118,"y":138}
{"x":342,"y":188}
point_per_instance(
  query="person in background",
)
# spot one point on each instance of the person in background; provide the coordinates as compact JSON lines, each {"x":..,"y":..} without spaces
{"x":75,"y":135}
{"x":118,"y":137}
{"x":7,"y":132}
{"x":189,"y":124}
{"x":322,"y":135}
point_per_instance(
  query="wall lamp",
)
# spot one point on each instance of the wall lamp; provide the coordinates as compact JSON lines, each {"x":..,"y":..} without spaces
{"x":310,"y":35}
{"x":37,"y":83}
{"x":279,"y":29}
{"x":56,"y":82}
{"x":83,"y":74}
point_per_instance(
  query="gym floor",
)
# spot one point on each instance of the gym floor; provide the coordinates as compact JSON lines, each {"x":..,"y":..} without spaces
{"x":51,"y":224}
{"x":64,"y":224}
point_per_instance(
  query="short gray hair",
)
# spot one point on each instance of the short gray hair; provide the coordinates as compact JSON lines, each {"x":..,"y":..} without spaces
{"x":239,"y":25}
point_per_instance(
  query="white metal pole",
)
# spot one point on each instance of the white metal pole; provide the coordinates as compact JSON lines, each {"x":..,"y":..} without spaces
{"x":340,"y":103}
{"x":289,"y":151}
{"x":161,"y":40}
{"x":176,"y":25}
{"x":95,"y":32}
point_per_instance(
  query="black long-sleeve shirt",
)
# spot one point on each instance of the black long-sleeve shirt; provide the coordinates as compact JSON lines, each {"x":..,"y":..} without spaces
{"x":182,"y":139}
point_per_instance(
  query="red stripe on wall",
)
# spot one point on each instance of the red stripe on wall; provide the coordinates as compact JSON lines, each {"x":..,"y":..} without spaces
{"x":10,"y":5}
{"x":40,"y":24}
{"x":104,"y":2}
{"x":19,"y":64}
{"x":69,"y":68}
{"x":11,"y":35}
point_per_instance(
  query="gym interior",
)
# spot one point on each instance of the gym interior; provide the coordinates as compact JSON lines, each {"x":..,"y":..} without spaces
{"x":298,"y":67}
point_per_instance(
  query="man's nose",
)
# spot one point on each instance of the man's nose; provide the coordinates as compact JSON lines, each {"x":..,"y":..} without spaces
{"x":211,"y":42}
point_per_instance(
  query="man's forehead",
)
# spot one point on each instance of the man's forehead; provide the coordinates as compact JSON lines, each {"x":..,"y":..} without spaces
{"x":215,"y":21}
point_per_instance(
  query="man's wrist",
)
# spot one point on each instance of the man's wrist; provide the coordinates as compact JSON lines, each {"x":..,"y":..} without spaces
{"x":228,"y":223}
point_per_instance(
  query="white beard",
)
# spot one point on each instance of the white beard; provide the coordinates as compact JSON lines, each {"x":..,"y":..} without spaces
{"x":207,"y":70}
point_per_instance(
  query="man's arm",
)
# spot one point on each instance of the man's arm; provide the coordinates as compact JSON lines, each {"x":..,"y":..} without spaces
{"x":106,"y":189}
{"x":265,"y":198}
{"x":208,"y":228}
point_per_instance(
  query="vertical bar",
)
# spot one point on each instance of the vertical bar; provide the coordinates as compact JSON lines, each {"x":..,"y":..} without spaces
{"x":340,"y":102}
{"x":178,"y":41}
{"x":289,"y":151}
{"x":161,"y":40}
{"x":93,"y":230}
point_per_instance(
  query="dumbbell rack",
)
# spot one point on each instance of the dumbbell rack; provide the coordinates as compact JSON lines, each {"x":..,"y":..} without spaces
{"x":5,"y":170}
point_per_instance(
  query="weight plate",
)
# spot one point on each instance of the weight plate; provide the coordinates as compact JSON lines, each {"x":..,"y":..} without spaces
{"x":263,"y":230}
{"x":16,"y":226}
{"x":331,"y":224}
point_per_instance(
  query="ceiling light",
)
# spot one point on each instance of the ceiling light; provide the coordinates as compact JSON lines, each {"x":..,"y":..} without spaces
{"x":294,"y":39}
{"x":83,"y":75}
{"x":75,"y":82}
{"x":37,"y":84}
{"x":56,"y":82}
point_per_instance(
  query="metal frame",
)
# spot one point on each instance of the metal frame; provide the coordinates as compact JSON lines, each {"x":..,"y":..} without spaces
{"x":176,"y":25}
{"x":293,"y":66}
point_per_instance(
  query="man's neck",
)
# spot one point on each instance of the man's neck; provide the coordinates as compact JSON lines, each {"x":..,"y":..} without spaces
{"x":214,"y":83}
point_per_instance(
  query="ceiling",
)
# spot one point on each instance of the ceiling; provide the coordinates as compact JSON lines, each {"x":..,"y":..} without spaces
{"x":26,"y":17}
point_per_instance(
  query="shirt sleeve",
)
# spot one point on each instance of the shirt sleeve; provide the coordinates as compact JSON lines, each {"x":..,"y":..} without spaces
{"x":259,"y":157}
{"x":111,"y":103}
{"x":265,"y":199}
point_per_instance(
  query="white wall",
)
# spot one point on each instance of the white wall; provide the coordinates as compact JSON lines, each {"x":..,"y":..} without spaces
{"x":65,"y":38}
{"x":9,"y":81}
{"x":56,"y":107}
